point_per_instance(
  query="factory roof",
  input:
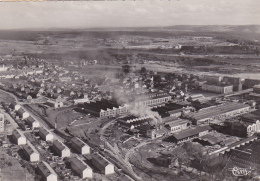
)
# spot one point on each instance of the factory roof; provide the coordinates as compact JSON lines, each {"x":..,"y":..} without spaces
{"x":79,"y":164}
{"x":177,"y":122}
{"x":191,"y":132}
{"x":216,"y":110}
{"x":100,"y":159}
{"x":45,"y":169}
{"x":213,"y":138}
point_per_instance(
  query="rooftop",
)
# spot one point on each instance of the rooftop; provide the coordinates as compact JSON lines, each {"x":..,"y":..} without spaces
{"x":44,"y":131}
{"x":191,"y":132}
{"x":46,"y":169}
{"x":81,"y":165}
{"x":100,"y":159}
{"x":17,"y":133}
{"x":177,"y":122}
{"x":30,"y":149}
{"x":78,"y":142}
{"x":59,"y":145}
{"x":216,"y":110}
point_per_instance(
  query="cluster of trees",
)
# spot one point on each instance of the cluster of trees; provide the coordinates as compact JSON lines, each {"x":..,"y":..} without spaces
{"x":191,"y":154}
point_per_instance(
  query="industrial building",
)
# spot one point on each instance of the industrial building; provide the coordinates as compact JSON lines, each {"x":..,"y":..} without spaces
{"x":249,"y":83}
{"x":45,"y":135}
{"x":172,"y":110}
{"x":31,"y":153}
{"x":108,"y":108}
{"x":81,"y":168}
{"x":131,"y":122}
{"x":103,"y":108}
{"x":255,"y":95}
{"x":80,"y":146}
{"x":102,"y":164}
{"x":32,"y":122}
{"x":177,"y":125}
{"x":211,"y":78}
{"x":222,"y":89}
{"x":191,"y":133}
{"x":218,"y":112}
{"x":47,"y":173}
{"x":18,"y":137}
{"x":235,"y":81}
{"x":61,"y":149}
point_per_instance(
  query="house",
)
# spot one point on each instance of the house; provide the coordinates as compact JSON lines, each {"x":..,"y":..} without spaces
{"x":177,"y":125}
{"x":55,"y":103}
{"x":61,"y":149}
{"x":80,"y":146}
{"x":102,"y":164}
{"x":47,"y":173}
{"x":22,"y":113}
{"x":45,"y":135}
{"x":33,"y":123}
{"x":190,"y":134}
{"x":31,"y":153}
{"x":81,"y":168}
{"x":18,"y":137}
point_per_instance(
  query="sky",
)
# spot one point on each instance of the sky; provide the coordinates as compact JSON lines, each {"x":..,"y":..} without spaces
{"x":146,"y":13}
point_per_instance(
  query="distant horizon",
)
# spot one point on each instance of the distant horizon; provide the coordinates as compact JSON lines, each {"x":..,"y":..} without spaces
{"x":127,"y":14}
{"x":104,"y":28}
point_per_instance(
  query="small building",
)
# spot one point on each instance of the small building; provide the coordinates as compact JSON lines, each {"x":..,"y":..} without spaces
{"x":45,"y":135}
{"x":17,"y":107}
{"x":55,"y":103}
{"x":18,"y":137}
{"x":81,"y":168}
{"x":80,"y":146}
{"x":33,"y":123}
{"x":177,"y":125}
{"x":47,"y":173}
{"x":22,"y":113}
{"x":61,"y":149}
{"x":31,"y":153}
{"x":102,"y":164}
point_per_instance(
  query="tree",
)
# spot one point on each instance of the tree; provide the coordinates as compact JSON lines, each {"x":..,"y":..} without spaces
{"x":126,"y":68}
{"x":143,"y":71}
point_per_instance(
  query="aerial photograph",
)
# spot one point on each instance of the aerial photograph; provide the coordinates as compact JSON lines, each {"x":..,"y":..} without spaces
{"x":145,"y":90}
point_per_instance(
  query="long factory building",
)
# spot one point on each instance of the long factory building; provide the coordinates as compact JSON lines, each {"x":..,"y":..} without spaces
{"x":107,"y":108}
{"x":219,"y":112}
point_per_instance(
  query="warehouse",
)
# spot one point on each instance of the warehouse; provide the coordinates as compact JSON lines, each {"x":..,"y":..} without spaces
{"x":45,"y":135}
{"x":61,"y":149}
{"x":219,"y":112}
{"x":47,"y":173}
{"x":31,"y":153}
{"x":81,"y":168}
{"x":222,"y":89}
{"x":249,"y":83}
{"x":177,"y":125}
{"x":80,"y":146}
{"x":33,"y":123}
{"x":102,"y":164}
{"x":190,"y":134}
{"x":18,"y":137}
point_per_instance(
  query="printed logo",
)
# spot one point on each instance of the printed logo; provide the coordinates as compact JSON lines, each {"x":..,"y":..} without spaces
{"x":236,"y":171}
